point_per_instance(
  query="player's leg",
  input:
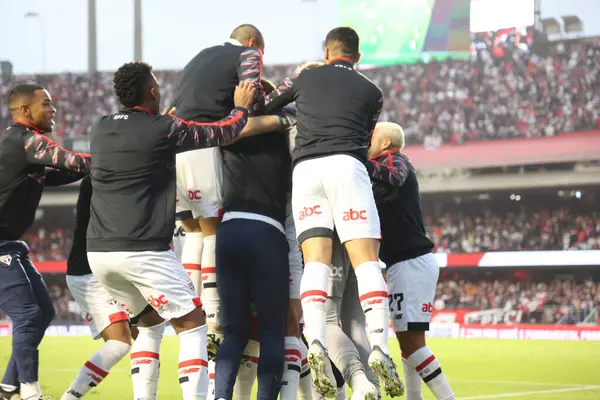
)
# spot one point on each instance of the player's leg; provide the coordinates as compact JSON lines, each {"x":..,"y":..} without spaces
{"x":314,"y":226}
{"x":268,"y":278}
{"x":353,"y":325}
{"x":357,"y":224}
{"x":412,"y":286}
{"x":210,"y":295}
{"x":293,"y":356}
{"x":191,"y":252}
{"x":163,"y":282}
{"x":21,"y":302}
{"x":248,"y":370}
{"x":305,"y":387}
{"x":235,"y":304}
{"x":343,"y":351}
{"x":112,"y":270}
{"x":107,"y":320}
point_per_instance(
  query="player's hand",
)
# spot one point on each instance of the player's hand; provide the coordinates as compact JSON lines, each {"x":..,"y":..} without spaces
{"x":169,"y":111}
{"x":244,"y":95}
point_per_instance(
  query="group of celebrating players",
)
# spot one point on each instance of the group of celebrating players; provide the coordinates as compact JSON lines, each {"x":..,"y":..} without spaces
{"x":296,"y":204}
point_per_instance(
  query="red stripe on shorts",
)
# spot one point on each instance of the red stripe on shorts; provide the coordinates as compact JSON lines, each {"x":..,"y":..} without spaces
{"x":118,"y":317}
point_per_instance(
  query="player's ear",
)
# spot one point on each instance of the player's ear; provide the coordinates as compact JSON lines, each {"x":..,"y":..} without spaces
{"x":252,"y":42}
{"x":326,"y":54}
{"x":357,"y":58}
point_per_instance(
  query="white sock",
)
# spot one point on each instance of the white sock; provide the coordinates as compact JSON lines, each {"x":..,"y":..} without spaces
{"x":341,"y":393}
{"x":374,"y":302}
{"x":291,"y":369}
{"x":96,"y":369}
{"x":30,"y":391}
{"x":247,"y":372}
{"x":211,"y":380}
{"x":145,"y":362}
{"x":413,"y":381}
{"x":313,"y":294}
{"x":305,"y":388}
{"x":193,"y":364}
{"x":210,"y":297}
{"x":191,"y":258}
{"x":428,"y":367}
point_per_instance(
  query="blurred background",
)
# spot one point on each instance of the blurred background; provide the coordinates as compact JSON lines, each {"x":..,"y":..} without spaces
{"x":499,"y":99}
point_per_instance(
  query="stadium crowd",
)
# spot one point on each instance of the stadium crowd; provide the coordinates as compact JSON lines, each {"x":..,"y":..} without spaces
{"x":447,"y":101}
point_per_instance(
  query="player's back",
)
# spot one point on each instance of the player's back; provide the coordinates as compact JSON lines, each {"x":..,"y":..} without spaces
{"x":400,"y":213}
{"x":205,"y":92}
{"x":133,"y":179}
{"x":336,"y":108}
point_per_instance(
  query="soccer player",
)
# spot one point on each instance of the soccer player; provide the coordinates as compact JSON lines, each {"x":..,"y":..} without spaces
{"x":412,"y":271}
{"x":132,"y":215}
{"x":256,"y":182}
{"x":28,"y":162}
{"x":205,"y":94}
{"x":337,"y":111}
{"x":103,"y":313}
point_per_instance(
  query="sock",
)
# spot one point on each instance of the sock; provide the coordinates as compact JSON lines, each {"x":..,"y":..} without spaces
{"x":145,"y":362}
{"x":8,"y":388}
{"x":374,"y":302}
{"x":341,"y":393}
{"x":191,"y":258}
{"x":291,"y":369}
{"x":210,"y":298}
{"x":211,"y":380}
{"x":305,"y":389}
{"x":30,"y":391}
{"x":428,"y":367}
{"x":247,"y":372}
{"x":313,"y":289}
{"x":96,"y":369}
{"x":413,"y":381}
{"x":193,"y":364}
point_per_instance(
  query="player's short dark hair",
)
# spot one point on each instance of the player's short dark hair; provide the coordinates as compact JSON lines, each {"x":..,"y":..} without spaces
{"x":245,"y":32}
{"x":131,"y":82}
{"x":22,"y":93}
{"x":343,"y":41}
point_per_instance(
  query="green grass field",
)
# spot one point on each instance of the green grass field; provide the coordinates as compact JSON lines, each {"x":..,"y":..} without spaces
{"x":477,"y":369}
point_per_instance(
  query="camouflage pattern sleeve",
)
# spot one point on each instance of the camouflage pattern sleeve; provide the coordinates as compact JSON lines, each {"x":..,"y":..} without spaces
{"x":389,"y":167}
{"x":190,"y":135}
{"x":42,"y":151}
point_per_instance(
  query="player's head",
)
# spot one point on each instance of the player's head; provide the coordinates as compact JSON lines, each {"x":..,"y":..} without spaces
{"x":308,"y":65}
{"x":342,"y":42}
{"x":267,"y":86}
{"x":386,"y":136}
{"x":31,"y":104}
{"x":249,"y":35}
{"x":136,"y":85}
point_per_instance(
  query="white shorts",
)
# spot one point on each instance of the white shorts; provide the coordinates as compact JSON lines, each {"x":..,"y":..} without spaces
{"x":199,"y":183}
{"x":334,"y":191}
{"x":99,"y":308}
{"x":178,"y":239}
{"x":294,"y":255}
{"x":137,"y":279}
{"x":411,"y":287}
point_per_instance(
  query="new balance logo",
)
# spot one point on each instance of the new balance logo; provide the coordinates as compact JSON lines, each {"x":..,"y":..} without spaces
{"x":352,"y":215}
{"x":309,"y":211}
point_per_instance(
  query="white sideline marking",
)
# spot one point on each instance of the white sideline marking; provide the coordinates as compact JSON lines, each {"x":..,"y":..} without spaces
{"x":518,"y":382}
{"x":531,"y":392}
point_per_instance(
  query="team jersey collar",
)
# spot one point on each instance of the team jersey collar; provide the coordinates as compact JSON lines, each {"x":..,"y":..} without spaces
{"x":384,"y":154}
{"x":233,"y":42}
{"x":139,"y":108}
{"x":33,"y":128}
{"x":341,"y":60}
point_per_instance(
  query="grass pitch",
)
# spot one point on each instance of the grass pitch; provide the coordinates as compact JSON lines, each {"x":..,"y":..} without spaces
{"x":478,"y":369}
